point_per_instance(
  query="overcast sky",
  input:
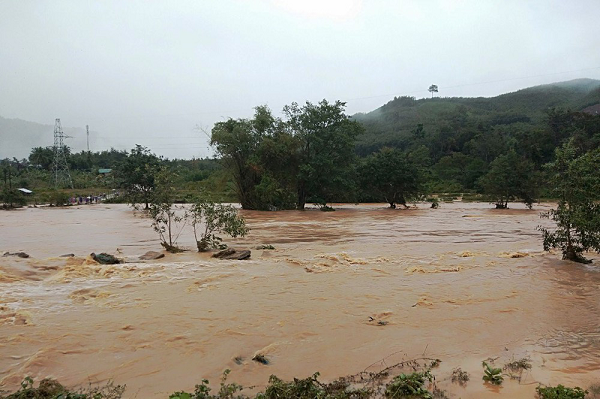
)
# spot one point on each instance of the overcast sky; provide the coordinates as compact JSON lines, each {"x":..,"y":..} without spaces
{"x":148,"y":72}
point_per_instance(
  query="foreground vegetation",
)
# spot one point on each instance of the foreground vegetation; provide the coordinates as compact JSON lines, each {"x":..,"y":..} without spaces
{"x":413,"y":385}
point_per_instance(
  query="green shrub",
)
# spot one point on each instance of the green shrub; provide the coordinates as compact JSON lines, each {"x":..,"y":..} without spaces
{"x":560,"y":392}
{"x":492,"y":375}
{"x":52,"y":389}
{"x":409,"y":386}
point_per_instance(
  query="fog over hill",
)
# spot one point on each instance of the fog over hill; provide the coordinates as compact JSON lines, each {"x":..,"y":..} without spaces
{"x":395,"y":118}
{"x":18,"y":137}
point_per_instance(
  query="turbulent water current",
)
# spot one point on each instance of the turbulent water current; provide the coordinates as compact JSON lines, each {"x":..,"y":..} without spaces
{"x":340,"y":292}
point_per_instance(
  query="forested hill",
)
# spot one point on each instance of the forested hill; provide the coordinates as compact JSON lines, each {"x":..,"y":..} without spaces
{"x":447,"y":125}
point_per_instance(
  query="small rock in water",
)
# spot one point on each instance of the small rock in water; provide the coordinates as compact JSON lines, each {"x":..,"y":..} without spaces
{"x":232,"y":254}
{"x":151,"y":255}
{"x":19,"y":254}
{"x":260,"y":359}
{"x":238,"y":360}
{"x":105,"y":259}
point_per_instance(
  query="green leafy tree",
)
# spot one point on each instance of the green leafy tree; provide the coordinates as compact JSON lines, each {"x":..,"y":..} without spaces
{"x":576,"y":183}
{"x":392,"y":176}
{"x":10,"y":196}
{"x":460,"y":168}
{"x":433,"y":89}
{"x":138,"y":174}
{"x":236,"y":142}
{"x":326,"y":138}
{"x":168,"y":220}
{"x":209,"y":219}
{"x":510,"y":177}
{"x":42,"y":156}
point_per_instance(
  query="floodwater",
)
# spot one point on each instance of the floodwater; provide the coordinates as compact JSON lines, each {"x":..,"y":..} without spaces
{"x":363,"y":287}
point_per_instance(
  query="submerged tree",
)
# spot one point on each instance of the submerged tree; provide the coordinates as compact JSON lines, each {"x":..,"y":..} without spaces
{"x":281,"y":164}
{"x":392,"y":176}
{"x":168,"y":220}
{"x":208,"y":219}
{"x":576,"y":183}
{"x":510,"y":177}
{"x":326,"y":138}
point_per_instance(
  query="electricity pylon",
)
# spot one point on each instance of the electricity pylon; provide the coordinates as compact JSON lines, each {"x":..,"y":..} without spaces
{"x":62,"y":177}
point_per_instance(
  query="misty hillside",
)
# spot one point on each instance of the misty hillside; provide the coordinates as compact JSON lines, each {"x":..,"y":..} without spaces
{"x":18,"y":137}
{"x":394,"y":124}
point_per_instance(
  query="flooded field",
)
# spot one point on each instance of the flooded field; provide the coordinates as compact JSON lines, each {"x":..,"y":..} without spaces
{"x":340,"y":292}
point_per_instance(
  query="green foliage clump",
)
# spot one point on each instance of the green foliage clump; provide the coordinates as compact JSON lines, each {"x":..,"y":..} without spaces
{"x":167,"y":219}
{"x":312,"y":388}
{"x":560,"y":392}
{"x":409,"y":386}
{"x":202,"y":390}
{"x":137,"y":174}
{"x":492,"y":375}
{"x":391,"y":175}
{"x":510,"y":177}
{"x":52,"y":389}
{"x":59,"y":198}
{"x":575,"y":181}
{"x":215,"y":218}
{"x":279,"y":164}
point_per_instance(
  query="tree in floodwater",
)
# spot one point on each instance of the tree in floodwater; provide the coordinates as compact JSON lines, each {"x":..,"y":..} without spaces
{"x":168,"y":220}
{"x":260,"y":154}
{"x":510,"y":177}
{"x":576,"y":183}
{"x":209,"y":219}
{"x":137,"y":173}
{"x":326,"y":138}
{"x":392,"y":176}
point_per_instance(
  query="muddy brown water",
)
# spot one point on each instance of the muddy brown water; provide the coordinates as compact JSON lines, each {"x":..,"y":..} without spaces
{"x":462,"y":283}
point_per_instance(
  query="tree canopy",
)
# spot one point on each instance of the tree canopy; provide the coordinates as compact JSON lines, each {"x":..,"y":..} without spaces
{"x":575,"y":181}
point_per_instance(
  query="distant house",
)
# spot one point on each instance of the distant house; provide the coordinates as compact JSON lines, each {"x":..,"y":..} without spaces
{"x":104,"y":171}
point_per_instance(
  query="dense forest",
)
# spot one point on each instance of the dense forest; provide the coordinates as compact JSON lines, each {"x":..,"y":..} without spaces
{"x":490,"y":148}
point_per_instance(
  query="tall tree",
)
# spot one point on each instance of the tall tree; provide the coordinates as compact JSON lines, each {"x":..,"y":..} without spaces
{"x":137,"y":173}
{"x":510,"y":177}
{"x":42,"y":157}
{"x":575,"y":182}
{"x":433,"y":89}
{"x":392,"y":176}
{"x":326,"y":138}
{"x":237,"y":143}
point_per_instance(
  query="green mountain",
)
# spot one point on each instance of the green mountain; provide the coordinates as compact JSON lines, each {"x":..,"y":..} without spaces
{"x":404,"y":119}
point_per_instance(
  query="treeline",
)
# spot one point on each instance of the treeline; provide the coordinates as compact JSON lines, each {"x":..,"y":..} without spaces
{"x":107,"y":170}
{"x":491,"y":148}
{"x":313,"y":155}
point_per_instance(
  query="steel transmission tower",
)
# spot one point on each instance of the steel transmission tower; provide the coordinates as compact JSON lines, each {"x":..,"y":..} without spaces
{"x":62,"y":177}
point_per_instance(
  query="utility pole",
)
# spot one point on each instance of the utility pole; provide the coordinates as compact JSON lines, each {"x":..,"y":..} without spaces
{"x":62,"y":177}
{"x":87,"y":131}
